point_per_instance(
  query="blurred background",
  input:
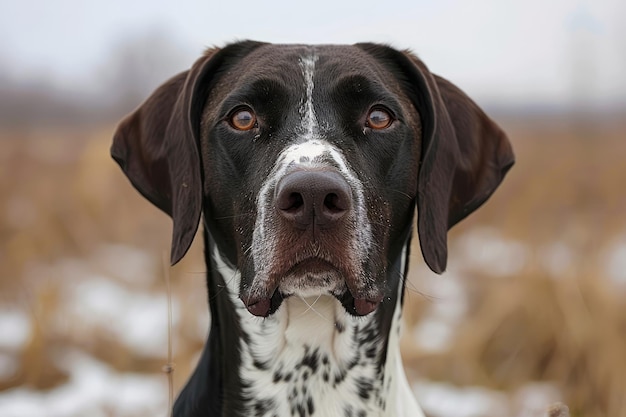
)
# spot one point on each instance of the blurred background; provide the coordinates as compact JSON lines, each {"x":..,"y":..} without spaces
{"x":532,"y":309}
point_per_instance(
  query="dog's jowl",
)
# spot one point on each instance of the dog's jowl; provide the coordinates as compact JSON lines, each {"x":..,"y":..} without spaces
{"x":308,"y":166}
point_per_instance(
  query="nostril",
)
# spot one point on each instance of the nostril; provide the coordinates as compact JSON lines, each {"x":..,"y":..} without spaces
{"x":333,"y":204}
{"x":291,"y":203}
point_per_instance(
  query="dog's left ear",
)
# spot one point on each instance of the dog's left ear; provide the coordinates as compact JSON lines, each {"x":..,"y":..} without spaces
{"x":157,"y":145}
{"x":465,"y":155}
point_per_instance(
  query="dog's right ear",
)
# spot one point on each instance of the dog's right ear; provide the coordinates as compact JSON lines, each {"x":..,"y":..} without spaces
{"x":464,"y":154}
{"x":157,"y":146}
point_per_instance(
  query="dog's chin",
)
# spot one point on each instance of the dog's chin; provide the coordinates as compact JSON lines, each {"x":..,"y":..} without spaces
{"x":313,"y":278}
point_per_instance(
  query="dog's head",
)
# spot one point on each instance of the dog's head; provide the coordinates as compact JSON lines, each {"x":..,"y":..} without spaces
{"x":308,"y":163}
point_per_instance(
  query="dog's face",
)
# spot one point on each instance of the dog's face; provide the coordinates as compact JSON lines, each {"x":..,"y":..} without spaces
{"x":308,"y":163}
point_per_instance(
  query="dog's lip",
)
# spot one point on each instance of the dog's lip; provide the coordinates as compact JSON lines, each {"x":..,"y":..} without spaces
{"x":311,"y":265}
{"x":364,"y":306}
{"x":260,"y":308}
{"x":361,"y":306}
{"x":354,"y":302}
{"x":263,"y":306}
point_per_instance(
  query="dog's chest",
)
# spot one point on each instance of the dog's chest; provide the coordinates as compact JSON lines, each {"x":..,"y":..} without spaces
{"x":311,"y":359}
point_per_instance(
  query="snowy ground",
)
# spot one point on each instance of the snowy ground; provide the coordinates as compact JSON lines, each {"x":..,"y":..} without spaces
{"x":107,"y":294}
{"x":94,"y":389}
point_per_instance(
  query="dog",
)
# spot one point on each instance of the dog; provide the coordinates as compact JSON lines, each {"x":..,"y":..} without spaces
{"x":307,"y":165}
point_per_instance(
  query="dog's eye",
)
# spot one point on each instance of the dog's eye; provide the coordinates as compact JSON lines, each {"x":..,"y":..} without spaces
{"x":378,"y":119}
{"x":243,"y":119}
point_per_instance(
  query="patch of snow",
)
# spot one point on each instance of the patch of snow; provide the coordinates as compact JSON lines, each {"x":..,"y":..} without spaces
{"x":433,"y":335}
{"x":447,"y":308}
{"x":94,"y":390}
{"x":556,"y":258}
{"x":449,"y":298}
{"x":485,"y":250}
{"x":532,"y":400}
{"x":107,"y":292}
{"x":15,"y":329}
{"x":446,"y":400}
{"x":137,"y":319}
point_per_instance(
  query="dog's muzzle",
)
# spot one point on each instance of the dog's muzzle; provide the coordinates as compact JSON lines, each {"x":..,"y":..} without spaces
{"x":314,"y":220}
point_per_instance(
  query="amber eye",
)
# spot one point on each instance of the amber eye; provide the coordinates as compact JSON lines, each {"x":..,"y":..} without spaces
{"x":243,"y":119}
{"x":379,"y":119}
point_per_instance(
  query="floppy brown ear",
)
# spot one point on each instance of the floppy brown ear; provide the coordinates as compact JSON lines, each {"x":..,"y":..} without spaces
{"x":464,"y":154}
{"x":157,"y":145}
{"x":157,"y":152}
{"x":485,"y":153}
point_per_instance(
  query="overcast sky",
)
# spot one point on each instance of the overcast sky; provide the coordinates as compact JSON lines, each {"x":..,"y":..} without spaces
{"x":547,"y":51}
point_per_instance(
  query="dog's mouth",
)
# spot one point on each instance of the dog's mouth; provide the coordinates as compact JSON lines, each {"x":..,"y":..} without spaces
{"x":264,"y":307}
{"x":312,"y":277}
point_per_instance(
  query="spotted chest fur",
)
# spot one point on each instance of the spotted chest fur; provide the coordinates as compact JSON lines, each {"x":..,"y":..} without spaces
{"x":311,"y":358}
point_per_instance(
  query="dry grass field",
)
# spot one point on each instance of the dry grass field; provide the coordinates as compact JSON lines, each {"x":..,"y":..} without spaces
{"x":533,"y":306}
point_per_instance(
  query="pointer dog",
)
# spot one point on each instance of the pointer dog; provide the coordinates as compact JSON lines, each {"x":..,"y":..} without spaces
{"x":307,"y":164}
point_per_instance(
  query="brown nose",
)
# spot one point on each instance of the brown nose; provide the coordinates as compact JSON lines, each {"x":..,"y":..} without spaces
{"x":313,"y":197}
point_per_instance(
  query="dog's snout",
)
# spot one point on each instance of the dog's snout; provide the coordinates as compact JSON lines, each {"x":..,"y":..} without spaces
{"x":313,"y":197}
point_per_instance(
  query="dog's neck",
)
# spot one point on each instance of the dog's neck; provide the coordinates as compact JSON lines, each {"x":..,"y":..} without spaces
{"x":309,"y":358}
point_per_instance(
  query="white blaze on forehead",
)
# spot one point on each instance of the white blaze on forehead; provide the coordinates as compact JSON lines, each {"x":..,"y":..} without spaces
{"x":309,"y":121}
{"x":305,"y":153}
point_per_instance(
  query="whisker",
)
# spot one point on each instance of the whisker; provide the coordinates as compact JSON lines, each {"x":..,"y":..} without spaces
{"x":227,"y":283}
{"x":235,"y":216}
{"x":410,"y":286}
{"x":311,"y":308}
{"x":309,"y":305}
{"x":401,"y":193}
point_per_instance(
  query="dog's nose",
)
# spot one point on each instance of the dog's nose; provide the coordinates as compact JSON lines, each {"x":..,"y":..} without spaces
{"x":318,"y":197}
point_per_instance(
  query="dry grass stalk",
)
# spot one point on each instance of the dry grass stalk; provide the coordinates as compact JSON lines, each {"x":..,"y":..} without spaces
{"x":169,"y":367}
